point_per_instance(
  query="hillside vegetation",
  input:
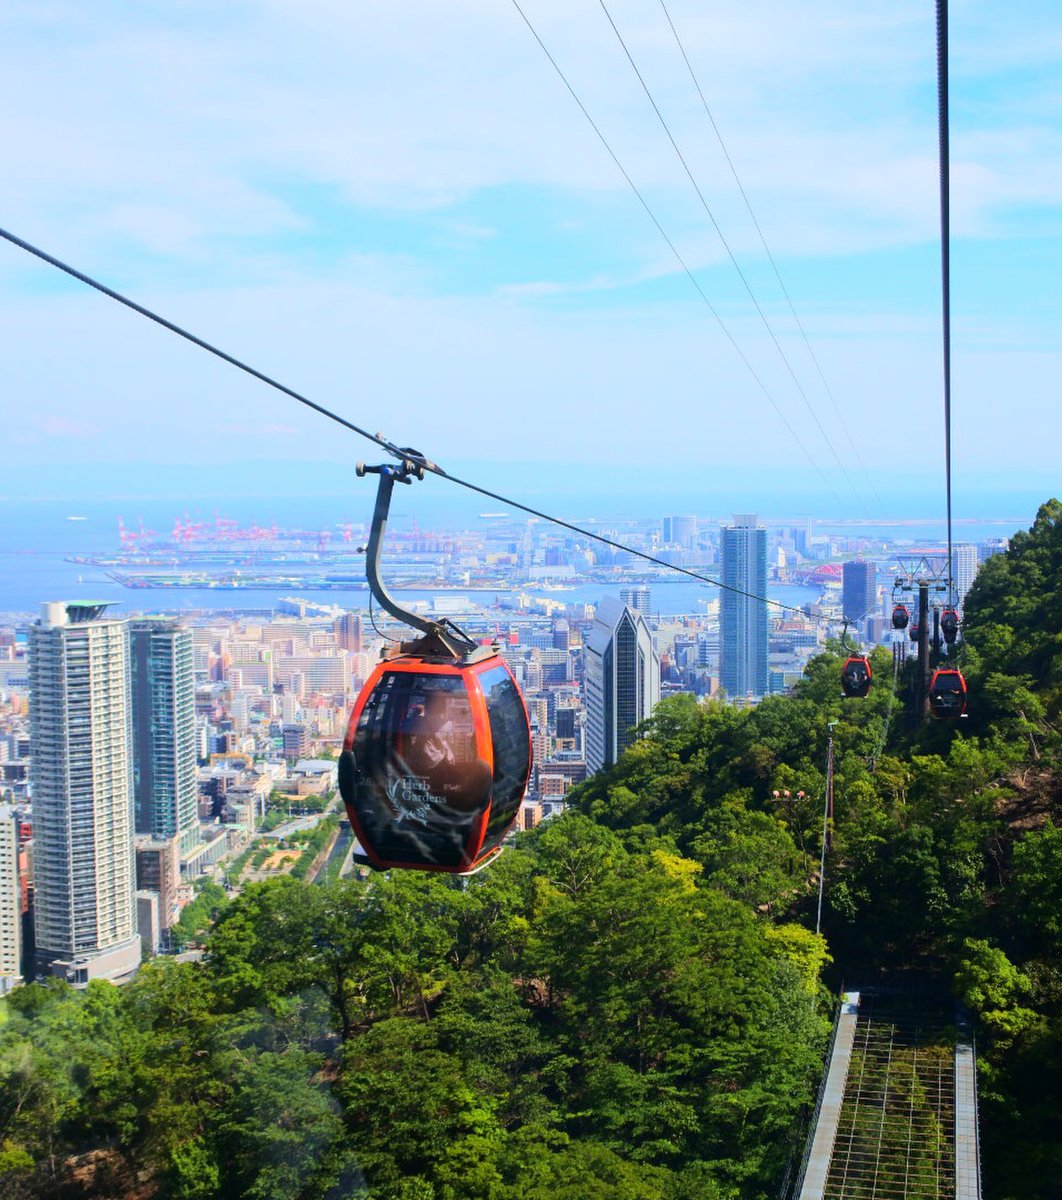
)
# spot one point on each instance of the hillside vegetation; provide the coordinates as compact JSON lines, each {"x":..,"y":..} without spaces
{"x":631,"y":1002}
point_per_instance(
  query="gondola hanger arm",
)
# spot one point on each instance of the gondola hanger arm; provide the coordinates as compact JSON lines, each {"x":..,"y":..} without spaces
{"x":441,"y":638}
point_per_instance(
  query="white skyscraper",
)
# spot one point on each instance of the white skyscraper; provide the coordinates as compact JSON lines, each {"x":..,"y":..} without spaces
{"x":82,"y":774}
{"x":163,"y":708}
{"x":964,"y":568}
{"x":680,"y":530}
{"x":638,"y":597}
{"x":622,"y":676}
{"x":10,"y":906}
{"x":743,"y":614}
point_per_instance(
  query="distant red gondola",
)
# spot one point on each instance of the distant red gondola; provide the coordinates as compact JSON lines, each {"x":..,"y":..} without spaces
{"x":949,"y":625}
{"x":947,"y":693}
{"x":900,"y":616}
{"x":856,"y":677}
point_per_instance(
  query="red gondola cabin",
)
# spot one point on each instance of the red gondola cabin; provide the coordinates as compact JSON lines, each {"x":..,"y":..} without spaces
{"x":947,"y":693}
{"x":856,"y":677}
{"x":436,"y":762}
{"x":900,"y":616}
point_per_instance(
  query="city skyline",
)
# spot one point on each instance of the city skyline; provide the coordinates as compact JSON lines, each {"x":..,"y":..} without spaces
{"x":209,"y":565}
{"x":226,"y":719}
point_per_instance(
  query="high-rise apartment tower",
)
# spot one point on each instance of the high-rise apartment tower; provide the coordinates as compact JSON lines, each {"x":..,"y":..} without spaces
{"x":622,"y":679}
{"x":964,"y":568}
{"x":348,"y":632}
{"x":743,"y":618}
{"x":859,"y":593}
{"x":163,"y":706}
{"x":637,"y":597}
{"x":82,"y":773}
{"x":10,"y":902}
{"x":681,"y":530}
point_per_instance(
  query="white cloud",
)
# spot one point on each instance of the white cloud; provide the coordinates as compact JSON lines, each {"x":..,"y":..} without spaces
{"x":269,"y":429}
{"x":192,"y":125}
{"x":54,"y":425}
{"x":461,"y":377}
{"x":177,"y":149}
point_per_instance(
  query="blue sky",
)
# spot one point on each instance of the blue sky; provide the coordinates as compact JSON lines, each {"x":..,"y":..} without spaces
{"x":397,"y":208}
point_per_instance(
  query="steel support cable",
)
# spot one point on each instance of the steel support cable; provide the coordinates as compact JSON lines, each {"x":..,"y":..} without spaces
{"x":389,"y":447}
{"x":767,"y":250}
{"x":675,"y":251}
{"x":945,"y":255}
{"x":733,"y":258}
{"x":81,"y":277}
{"x":880,"y":748}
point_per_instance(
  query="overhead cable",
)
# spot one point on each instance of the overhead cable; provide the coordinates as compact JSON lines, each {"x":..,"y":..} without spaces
{"x":945,"y":255}
{"x":731,"y":255}
{"x":767,"y":251}
{"x":376,"y":438}
{"x":675,"y":252}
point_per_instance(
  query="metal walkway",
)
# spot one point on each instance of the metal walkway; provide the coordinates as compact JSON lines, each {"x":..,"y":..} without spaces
{"x":897,"y":1114}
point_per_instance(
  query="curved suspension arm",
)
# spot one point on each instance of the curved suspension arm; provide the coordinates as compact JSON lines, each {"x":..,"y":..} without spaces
{"x":445,"y":636}
{"x":844,"y":638}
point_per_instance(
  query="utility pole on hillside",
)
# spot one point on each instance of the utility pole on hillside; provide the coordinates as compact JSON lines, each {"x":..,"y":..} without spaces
{"x":827,"y":822}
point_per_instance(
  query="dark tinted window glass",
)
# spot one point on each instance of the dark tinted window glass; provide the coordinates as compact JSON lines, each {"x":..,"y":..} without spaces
{"x":419,"y":785}
{"x":512,"y":750}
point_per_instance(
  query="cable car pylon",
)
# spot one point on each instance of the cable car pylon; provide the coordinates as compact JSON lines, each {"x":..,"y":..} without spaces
{"x":940,"y":691}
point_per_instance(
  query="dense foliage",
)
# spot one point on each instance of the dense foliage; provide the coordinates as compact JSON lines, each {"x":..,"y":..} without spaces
{"x":946,"y":859}
{"x":628,"y":1004}
{"x":582,"y":1020}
